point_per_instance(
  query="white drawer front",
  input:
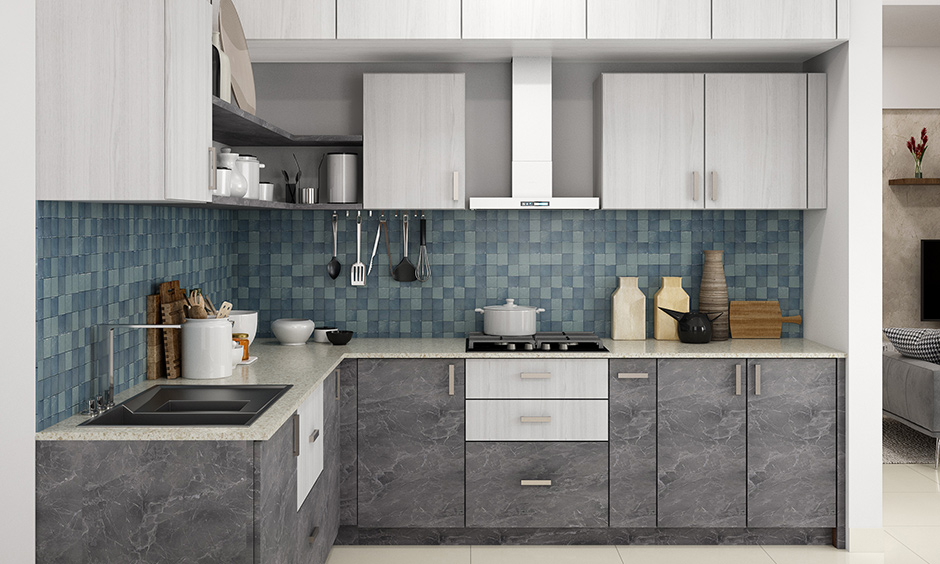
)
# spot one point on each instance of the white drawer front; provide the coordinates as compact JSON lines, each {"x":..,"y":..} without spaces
{"x":536,"y":420}
{"x":537,"y":378}
{"x":310,"y":460}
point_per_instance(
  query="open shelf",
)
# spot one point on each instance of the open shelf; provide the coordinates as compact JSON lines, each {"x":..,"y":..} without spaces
{"x":914,"y":182}
{"x":233,"y":126}
{"x":243,"y":203}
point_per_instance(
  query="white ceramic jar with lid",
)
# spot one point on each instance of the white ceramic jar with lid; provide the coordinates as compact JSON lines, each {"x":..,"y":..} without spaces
{"x":509,"y":319}
{"x":250,"y":168}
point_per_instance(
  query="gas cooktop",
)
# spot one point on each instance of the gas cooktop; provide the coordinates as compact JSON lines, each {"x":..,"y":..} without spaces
{"x":560,"y":342}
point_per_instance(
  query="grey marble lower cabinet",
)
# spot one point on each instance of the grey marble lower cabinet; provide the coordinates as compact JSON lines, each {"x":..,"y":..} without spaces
{"x":411,"y":443}
{"x":537,"y":484}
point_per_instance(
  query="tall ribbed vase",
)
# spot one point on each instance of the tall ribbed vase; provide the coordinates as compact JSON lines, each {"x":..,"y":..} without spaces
{"x":670,"y":296}
{"x":713,"y":295}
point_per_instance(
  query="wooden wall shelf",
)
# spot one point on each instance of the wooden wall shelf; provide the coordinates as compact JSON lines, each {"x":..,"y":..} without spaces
{"x":233,"y":126}
{"x":914,"y":182}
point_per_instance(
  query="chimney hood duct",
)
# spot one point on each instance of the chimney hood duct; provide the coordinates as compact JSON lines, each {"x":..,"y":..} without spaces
{"x":532,"y":143}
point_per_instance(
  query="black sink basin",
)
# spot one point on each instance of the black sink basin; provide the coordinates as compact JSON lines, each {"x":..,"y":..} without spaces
{"x":192,"y":406}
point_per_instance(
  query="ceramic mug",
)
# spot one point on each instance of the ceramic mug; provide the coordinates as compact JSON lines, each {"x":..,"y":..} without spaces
{"x":223,"y":181}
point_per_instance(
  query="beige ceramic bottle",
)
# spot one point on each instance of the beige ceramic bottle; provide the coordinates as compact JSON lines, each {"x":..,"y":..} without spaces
{"x":670,"y":296}
{"x":628,"y":311}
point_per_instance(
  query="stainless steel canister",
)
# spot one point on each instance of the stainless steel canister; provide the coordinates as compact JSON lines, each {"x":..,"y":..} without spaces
{"x":342,"y":178}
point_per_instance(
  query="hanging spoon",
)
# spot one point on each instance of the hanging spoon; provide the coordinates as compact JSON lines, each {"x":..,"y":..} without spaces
{"x":334,"y":266}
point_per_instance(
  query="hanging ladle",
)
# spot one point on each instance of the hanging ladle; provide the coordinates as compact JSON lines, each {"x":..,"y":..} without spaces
{"x":334,"y":266}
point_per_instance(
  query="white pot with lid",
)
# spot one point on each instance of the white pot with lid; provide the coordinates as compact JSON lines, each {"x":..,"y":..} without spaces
{"x":509,"y":319}
{"x":250,"y":167}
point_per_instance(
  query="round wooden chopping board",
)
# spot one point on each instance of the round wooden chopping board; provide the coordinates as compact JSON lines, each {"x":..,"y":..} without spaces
{"x":235,"y":46}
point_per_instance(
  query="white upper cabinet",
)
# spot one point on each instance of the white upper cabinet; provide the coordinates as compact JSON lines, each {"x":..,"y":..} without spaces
{"x":650,"y":148}
{"x":123,"y":102}
{"x":287,"y":19}
{"x":755,"y":141}
{"x":414,"y":141}
{"x":774,"y":19}
{"x":398,"y":19}
{"x":524,"y":19}
{"x":649,"y":19}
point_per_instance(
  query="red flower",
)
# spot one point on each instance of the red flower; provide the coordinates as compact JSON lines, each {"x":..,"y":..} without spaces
{"x":918,"y":149}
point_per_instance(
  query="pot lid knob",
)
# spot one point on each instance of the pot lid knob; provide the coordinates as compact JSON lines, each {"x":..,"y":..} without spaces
{"x":510,"y":302}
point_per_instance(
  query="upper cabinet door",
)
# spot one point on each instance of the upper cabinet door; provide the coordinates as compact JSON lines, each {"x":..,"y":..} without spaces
{"x":649,"y":19}
{"x":755,"y":141}
{"x":398,"y":19}
{"x":287,"y":19}
{"x":414,"y":136}
{"x":651,"y":150}
{"x":524,"y":19}
{"x":774,"y":19}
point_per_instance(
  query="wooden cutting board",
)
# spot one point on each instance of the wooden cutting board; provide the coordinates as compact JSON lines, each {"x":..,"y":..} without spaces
{"x":758,"y":320}
{"x":172,"y":299}
{"x":235,"y":46}
{"x":156,"y":363}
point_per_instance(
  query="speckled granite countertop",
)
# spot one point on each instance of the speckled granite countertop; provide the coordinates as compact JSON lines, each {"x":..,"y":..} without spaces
{"x":307,"y":366}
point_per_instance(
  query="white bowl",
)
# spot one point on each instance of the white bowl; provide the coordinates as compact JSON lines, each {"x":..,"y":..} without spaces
{"x":245,"y":322}
{"x":292,"y":331}
{"x":238,"y":352}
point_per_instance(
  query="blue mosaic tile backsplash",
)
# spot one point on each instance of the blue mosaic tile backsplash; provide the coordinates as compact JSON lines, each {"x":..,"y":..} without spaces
{"x":96,"y":262}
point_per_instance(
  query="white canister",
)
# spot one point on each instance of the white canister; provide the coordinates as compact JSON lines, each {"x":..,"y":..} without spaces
{"x":223,"y":182}
{"x":266,"y":191}
{"x":250,"y":168}
{"x":207,"y":349}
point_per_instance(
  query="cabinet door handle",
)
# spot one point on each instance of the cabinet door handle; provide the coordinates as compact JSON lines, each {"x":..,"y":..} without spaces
{"x":632,"y":375}
{"x":526,"y":483}
{"x":535,"y":375}
{"x":714,"y":186}
{"x":337,"y":383}
{"x":535,"y":419}
{"x":450,"y":380}
{"x":737,"y":380}
{"x":313,"y":535}
{"x":757,"y":379}
{"x":314,"y":436}
{"x":695,"y":186}
{"x":456,"y":186}
{"x":295,"y":419}
{"x":213,"y":185}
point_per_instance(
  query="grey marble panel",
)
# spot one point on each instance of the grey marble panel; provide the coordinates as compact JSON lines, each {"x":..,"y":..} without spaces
{"x":348,"y":431}
{"x":59,"y":524}
{"x":633,"y":444}
{"x":275,"y":499}
{"x":840,"y":535}
{"x":791,"y":443}
{"x":702,"y":444}
{"x":583,"y":536}
{"x":411,"y":444}
{"x":577,"y":496}
{"x":144,"y":501}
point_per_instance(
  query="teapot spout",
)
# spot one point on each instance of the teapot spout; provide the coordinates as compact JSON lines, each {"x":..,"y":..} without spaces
{"x":671,"y":313}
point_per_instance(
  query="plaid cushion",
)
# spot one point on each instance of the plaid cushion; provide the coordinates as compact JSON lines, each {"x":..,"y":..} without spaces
{"x":922,"y":344}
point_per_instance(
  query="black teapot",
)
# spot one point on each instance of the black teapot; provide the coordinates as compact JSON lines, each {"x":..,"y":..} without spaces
{"x":694,"y":326}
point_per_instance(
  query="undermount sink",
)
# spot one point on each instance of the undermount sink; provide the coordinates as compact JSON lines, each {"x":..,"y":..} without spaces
{"x":192,"y":406}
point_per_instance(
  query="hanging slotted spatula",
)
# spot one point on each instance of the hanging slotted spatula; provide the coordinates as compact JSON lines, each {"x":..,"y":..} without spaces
{"x":405,"y":271}
{"x":358,"y":270}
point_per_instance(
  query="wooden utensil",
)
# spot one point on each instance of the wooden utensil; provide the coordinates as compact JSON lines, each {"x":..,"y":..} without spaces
{"x":224,"y":310}
{"x":758,"y":320}
{"x":156,"y":363}
{"x":235,"y":46}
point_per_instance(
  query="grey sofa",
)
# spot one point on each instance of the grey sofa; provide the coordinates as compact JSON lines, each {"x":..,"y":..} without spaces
{"x":911,"y":394}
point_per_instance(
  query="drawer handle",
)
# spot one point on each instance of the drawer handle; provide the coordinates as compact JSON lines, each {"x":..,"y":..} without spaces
{"x":532,"y":419}
{"x":313,"y":535}
{"x":450,"y":380}
{"x":632,"y":375}
{"x":315,"y":435}
{"x":295,"y":421}
{"x":526,"y":483}
{"x":757,"y":379}
{"x":737,"y":380}
{"x":536,"y":375}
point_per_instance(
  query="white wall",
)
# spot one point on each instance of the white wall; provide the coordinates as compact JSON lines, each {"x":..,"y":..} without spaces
{"x":18,"y":257}
{"x":911,"y":77}
{"x":842,"y":256}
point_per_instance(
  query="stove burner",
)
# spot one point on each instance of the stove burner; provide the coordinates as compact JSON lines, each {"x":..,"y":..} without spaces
{"x":545,"y":342}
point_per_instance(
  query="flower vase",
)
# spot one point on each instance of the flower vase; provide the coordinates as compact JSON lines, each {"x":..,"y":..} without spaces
{"x":713,"y":294}
{"x":670,"y":296}
{"x":628,"y":311}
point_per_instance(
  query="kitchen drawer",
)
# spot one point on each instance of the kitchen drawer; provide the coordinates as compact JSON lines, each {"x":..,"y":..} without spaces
{"x":537,"y":378}
{"x":536,"y":420}
{"x":565,"y":484}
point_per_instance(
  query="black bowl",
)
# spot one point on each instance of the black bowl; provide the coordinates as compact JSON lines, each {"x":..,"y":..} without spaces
{"x":339,"y":337}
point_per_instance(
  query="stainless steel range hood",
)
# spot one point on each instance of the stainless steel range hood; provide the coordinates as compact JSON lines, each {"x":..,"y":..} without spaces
{"x":532,"y":143}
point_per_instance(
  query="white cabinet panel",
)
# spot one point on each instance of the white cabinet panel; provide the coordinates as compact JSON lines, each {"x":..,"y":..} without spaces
{"x":524,"y":19}
{"x":536,"y":420}
{"x":817,"y":122}
{"x":414,"y":140}
{"x":310,"y":436}
{"x":536,"y":378}
{"x":398,"y":19}
{"x":287,"y":19}
{"x":755,"y":141}
{"x":650,"y":145}
{"x":649,"y":19}
{"x":774,"y":19}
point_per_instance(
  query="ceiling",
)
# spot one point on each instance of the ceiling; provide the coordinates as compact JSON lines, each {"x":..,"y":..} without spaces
{"x":911,"y":26}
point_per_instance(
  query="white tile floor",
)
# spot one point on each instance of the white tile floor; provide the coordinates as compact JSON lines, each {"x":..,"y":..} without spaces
{"x":911,"y":522}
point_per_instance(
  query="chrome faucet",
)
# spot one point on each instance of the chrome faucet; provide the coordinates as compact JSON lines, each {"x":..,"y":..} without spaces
{"x":99,"y":404}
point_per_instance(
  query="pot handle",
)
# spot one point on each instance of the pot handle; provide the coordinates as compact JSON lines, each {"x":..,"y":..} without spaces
{"x":540,"y":310}
{"x":478,"y":310}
